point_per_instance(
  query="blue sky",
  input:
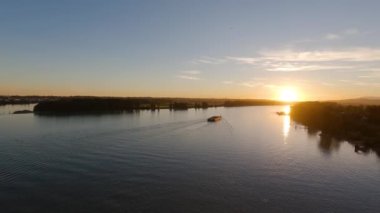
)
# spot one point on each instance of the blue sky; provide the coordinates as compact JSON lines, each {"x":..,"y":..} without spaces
{"x":239,"y":49}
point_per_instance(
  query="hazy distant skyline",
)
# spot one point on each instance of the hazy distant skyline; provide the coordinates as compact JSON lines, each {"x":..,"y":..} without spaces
{"x":217,"y":49}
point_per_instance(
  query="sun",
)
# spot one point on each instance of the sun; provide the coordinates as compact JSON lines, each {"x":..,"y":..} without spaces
{"x":288,"y":95}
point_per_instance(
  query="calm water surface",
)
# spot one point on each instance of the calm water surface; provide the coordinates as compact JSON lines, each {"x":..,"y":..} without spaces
{"x":174,"y":161}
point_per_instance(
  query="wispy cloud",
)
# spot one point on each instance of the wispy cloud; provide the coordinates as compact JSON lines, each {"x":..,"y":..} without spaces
{"x":288,"y":55}
{"x":244,"y":60}
{"x":351,"y":31}
{"x":292,"y":59}
{"x":209,"y":60}
{"x":250,"y":84}
{"x":360,"y":83}
{"x":343,"y":34}
{"x":370,"y":76}
{"x":332,"y":36}
{"x":371,"y":69}
{"x":296,"y":67}
{"x":353,"y":54}
{"x":289,"y":60}
{"x":228,"y":82}
{"x":271,"y":86}
{"x":188,"y":77}
{"x":191,"y":72}
{"x":327,"y":84}
{"x":279,"y":83}
{"x":254,"y":82}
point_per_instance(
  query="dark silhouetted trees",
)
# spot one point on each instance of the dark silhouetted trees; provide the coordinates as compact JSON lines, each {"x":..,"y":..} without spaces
{"x":357,"y":124}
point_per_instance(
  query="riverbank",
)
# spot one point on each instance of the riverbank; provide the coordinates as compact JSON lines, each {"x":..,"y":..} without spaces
{"x":100,"y":104}
{"x":359,"y":125}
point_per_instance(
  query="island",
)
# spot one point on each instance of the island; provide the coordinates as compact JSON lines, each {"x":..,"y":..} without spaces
{"x":23,"y":112}
{"x":115,"y":104}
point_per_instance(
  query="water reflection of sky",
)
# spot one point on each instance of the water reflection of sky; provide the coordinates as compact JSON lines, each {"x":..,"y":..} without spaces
{"x":9,"y":109}
{"x":146,"y":155}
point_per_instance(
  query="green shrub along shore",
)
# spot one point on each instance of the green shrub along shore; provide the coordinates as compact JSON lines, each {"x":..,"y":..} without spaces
{"x":359,"y":125}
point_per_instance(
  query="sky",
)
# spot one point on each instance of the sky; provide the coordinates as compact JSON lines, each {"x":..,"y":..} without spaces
{"x":321,"y":50}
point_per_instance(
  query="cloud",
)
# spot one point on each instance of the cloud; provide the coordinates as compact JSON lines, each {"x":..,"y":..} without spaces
{"x":228,"y":82}
{"x":372,"y":69}
{"x":244,"y":60}
{"x":253,"y":82}
{"x":271,"y":86}
{"x":209,"y":60}
{"x":259,"y":79}
{"x":327,"y":84}
{"x":250,"y":84}
{"x":360,"y":83}
{"x":353,"y":55}
{"x":289,"y":60}
{"x":191,"y":72}
{"x":351,"y":31}
{"x":188,"y":77}
{"x":294,"y":60}
{"x":332,"y":36}
{"x":370,"y":76}
{"x":296,"y":67}
{"x":345,"y":33}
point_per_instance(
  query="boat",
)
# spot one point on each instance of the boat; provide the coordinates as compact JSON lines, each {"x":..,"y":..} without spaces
{"x":214,"y":118}
{"x":281,"y":113}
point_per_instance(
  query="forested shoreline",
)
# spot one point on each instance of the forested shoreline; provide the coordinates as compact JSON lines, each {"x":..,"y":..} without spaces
{"x":359,"y":125}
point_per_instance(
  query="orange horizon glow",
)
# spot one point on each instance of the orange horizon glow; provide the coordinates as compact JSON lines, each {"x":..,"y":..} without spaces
{"x":288,"y":94}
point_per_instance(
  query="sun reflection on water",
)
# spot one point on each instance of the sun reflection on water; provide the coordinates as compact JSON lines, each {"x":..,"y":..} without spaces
{"x":286,"y":123}
{"x":287,"y":109}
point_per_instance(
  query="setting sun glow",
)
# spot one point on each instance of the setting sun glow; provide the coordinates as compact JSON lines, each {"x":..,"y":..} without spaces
{"x":288,"y":95}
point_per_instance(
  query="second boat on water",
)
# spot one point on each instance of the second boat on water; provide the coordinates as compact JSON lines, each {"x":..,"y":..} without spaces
{"x":214,"y":118}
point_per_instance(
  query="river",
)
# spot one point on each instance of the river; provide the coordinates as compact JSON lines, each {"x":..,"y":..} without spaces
{"x":175,"y":161}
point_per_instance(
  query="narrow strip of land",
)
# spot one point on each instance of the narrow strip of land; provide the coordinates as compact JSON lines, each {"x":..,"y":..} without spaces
{"x":100,"y":104}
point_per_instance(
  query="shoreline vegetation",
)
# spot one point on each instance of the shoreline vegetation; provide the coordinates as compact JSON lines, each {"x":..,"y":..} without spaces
{"x":25,"y":100}
{"x":106,"y":104}
{"x":359,"y":125}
